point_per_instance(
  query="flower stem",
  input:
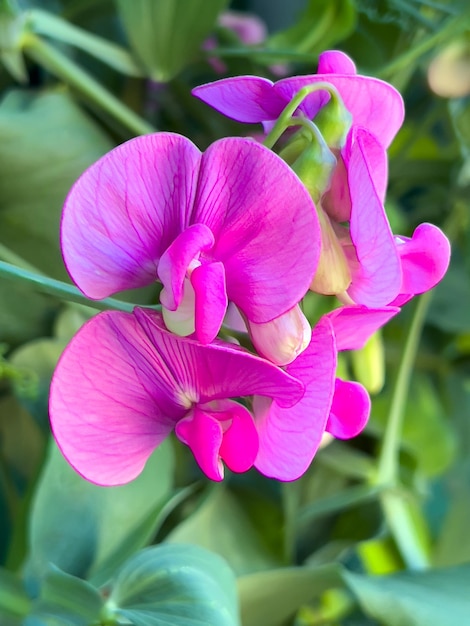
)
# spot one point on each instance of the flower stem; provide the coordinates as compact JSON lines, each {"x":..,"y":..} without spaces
{"x":72,"y":74}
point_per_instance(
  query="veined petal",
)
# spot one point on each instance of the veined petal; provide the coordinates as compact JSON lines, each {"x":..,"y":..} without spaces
{"x":112,"y":399}
{"x":374,"y":262}
{"x":267,"y":236}
{"x":290,"y":437}
{"x":174,"y":262}
{"x":125,"y":210}
{"x":353,"y":325}
{"x":208,"y":281}
{"x":373,"y":103}
{"x":248,"y":99}
{"x":424,"y":259}
{"x":219,"y":370}
{"x":350,"y":410}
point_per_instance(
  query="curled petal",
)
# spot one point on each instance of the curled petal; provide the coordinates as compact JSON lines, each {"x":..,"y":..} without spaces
{"x":335,"y":62}
{"x":353,"y":325}
{"x":260,"y":236}
{"x":350,"y":410}
{"x":290,"y":437}
{"x":424,"y":260}
{"x":125,"y":210}
{"x":208,"y":281}
{"x":203,"y":433}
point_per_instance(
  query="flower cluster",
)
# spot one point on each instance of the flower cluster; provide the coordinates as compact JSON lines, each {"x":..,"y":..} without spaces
{"x":235,"y":237}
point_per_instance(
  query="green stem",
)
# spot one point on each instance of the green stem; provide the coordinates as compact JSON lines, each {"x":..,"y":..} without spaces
{"x":68,"y":71}
{"x":388,"y":464}
{"x":59,"y":289}
{"x":284,"y":120}
{"x":451,"y":29}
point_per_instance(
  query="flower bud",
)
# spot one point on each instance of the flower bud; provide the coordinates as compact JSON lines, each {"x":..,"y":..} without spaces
{"x":282,"y":339}
{"x":334,"y":122}
{"x":315,"y":166}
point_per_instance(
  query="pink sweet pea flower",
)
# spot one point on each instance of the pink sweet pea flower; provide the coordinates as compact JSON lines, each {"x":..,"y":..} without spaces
{"x":226,"y":224}
{"x":125,"y":382}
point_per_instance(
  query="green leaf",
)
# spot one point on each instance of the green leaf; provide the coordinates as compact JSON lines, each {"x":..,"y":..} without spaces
{"x":451,"y":299}
{"x":167,"y":34}
{"x":322,"y":23}
{"x":13,"y":598}
{"x":178,"y":585}
{"x":221,"y":525}
{"x":71,"y":518}
{"x":65,"y":599}
{"x":433,"y":598}
{"x":270,"y":598}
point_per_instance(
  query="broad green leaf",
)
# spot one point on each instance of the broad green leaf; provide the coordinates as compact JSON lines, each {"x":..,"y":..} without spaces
{"x":71,"y":519}
{"x":182,"y":585}
{"x":270,"y":598}
{"x":167,"y":34}
{"x":322,"y":23}
{"x":13,"y":598}
{"x":65,"y":599}
{"x":221,"y":525}
{"x":432,"y":598}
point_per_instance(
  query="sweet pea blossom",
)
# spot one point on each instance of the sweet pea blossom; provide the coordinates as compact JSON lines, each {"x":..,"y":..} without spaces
{"x":125,"y":382}
{"x":233,"y":223}
{"x":361,"y":262}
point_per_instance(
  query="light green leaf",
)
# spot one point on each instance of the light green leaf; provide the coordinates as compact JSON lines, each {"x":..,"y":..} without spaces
{"x":177,"y":585}
{"x":77,"y":525}
{"x":13,"y":598}
{"x":65,"y":599}
{"x":433,"y":598}
{"x":167,"y":34}
{"x":270,"y":598}
{"x":221,"y":525}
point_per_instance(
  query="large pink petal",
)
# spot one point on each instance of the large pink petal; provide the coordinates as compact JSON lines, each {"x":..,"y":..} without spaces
{"x":373,"y":103}
{"x":267,"y":235}
{"x":289,"y":438}
{"x":217,"y":371}
{"x":112,"y":400}
{"x":353,"y":325}
{"x":424,"y":259}
{"x":374,"y":261}
{"x":350,"y":410}
{"x":125,"y":210}
{"x":248,"y":99}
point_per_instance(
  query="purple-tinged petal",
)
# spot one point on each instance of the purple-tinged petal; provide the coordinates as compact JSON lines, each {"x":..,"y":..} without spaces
{"x":174,"y":262}
{"x":240,"y":443}
{"x":203,"y":433}
{"x":248,"y":27}
{"x":337,"y":200}
{"x":424,"y":259}
{"x":289,"y":438}
{"x":112,"y":400}
{"x":248,"y":99}
{"x":373,"y":103}
{"x":375,"y":156}
{"x":335,"y":62}
{"x":125,"y":210}
{"x":208,"y":282}
{"x":374,"y":261}
{"x":217,"y":371}
{"x":350,"y":410}
{"x":353,"y":325}
{"x":268,"y":234}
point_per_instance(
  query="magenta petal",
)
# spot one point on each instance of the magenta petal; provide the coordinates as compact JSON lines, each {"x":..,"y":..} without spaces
{"x":350,"y":410}
{"x":289,"y":438}
{"x":240,"y":443}
{"x":174,"y":262}
{"x":217,"y":371}
{"x":109,"y":406}
{"x":208,"y":282}
{"x":424,"y":259}
{"x":353,"y":325}
{"x":125,"y":210}
{"x":268,"y":237}
{"x":335,"y":62}
{"x":374,"y":262}
{"x":248,"y":99}
{"x":373,"y":104}
{"x":203,"y":433}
